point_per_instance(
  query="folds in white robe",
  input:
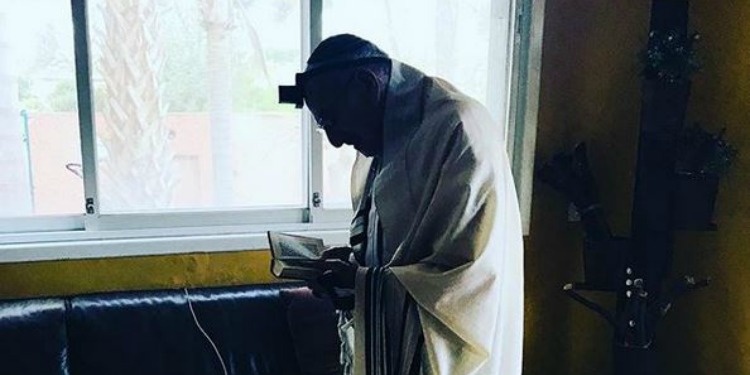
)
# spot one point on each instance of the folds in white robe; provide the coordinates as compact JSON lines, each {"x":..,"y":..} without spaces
{"x":449,"y":221}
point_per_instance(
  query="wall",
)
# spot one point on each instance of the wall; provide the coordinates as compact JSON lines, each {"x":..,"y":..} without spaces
{"x":589,"y":92}
{"x":709,"y":332}
{"x":153,"y":272}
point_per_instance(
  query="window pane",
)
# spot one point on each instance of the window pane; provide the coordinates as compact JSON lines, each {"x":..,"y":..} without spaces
{"x":185,"y":98}
{"x":445,"y":38}
{"x":337,"y":168}
{"x":40,"y":154}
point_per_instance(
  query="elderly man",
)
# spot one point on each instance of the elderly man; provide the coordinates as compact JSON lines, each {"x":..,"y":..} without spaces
{"x":435,"y":266}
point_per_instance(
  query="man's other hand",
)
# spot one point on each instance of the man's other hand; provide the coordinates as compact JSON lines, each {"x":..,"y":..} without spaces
{"x":342,"y":252}
{"x":338,"y":273}
{"x":338,"y":270}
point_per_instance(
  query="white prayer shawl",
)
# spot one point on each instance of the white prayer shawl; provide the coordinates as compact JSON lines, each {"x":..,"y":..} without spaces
{"x":449,"y":215}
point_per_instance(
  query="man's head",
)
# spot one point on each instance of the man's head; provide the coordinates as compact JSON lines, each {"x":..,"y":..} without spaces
{"x":344,"y":87}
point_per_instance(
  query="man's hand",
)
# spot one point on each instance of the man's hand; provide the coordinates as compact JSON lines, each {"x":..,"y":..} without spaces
{"x":338,"y":273}
{"x":341,"y":252}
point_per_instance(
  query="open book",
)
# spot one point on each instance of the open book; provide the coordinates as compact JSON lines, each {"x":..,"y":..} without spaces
{"x":295,"y":257}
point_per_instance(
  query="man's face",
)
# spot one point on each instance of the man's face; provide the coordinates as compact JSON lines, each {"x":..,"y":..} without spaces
{"x":346,"y":104}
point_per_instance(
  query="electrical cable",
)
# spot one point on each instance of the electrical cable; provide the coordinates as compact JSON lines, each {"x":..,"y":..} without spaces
{"x":205,"y":334}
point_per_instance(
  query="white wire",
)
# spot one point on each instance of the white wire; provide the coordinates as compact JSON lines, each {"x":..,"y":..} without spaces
{"x":195,"y":319}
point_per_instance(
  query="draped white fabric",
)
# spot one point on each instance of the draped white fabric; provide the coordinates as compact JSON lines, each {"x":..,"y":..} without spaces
{"x":449,"y":215}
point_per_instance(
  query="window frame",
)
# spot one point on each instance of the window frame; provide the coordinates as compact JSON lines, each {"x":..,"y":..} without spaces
{"x":524,"y":102}
{"x":96,"y":235}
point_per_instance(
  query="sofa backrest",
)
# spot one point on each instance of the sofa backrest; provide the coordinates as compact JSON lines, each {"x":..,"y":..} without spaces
{"x":33,"y":338}
{"x":151,"y":333}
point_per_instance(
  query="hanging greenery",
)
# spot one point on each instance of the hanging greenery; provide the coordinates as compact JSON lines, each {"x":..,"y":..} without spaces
{"x":670,"y":56}
{"x":701,"y":152}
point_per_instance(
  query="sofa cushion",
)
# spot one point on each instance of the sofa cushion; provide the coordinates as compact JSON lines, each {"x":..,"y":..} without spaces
{"x":154,"y":333}
{"x":32,"y":337}
{"x":313,"y":324}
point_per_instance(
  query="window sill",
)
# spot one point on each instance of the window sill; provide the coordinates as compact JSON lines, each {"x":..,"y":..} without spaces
{"x":85,"y":245}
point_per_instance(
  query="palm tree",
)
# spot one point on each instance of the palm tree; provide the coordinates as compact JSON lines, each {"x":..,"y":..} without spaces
{"x":218,"y":22}
{"x":220,"y":17}
{"x":136,"y":161}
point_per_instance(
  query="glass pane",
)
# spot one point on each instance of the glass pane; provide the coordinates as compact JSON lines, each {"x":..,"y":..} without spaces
{"x":40,"y":153}
{"x":337,"y":168}
{"x":185,"y":97}
{"x":444,"y":38}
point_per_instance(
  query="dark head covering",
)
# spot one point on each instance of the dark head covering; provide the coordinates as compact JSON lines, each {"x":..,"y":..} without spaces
{"x":343,"y":48}
{"x":337,"y":52}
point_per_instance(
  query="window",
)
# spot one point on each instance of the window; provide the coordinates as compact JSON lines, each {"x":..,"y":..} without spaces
{"x":445,"y":38}
{"x":185,"y":105}
{"x":155,"y":125}
{"x":39,"y":140}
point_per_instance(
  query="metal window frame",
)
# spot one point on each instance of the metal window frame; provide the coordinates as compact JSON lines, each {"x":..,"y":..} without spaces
{"x":513,"y":91}
{"x":35,"y":224}
{"x":53,"y":223}
{"x":94,"y":224}
{"x":316,"y":199}
{"x":524,"y":104}
{"x":95,"y":220}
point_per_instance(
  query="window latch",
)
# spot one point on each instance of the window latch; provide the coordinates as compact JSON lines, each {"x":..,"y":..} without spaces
{"x":90,"y":206}
{"x":316,"y":199}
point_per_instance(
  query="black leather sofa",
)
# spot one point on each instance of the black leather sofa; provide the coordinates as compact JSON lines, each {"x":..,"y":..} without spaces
{"x":153,"y":332}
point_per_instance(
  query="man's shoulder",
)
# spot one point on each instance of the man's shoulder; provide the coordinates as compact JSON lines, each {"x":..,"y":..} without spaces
{"x":445,"y":103}
{"x":448,"y":113}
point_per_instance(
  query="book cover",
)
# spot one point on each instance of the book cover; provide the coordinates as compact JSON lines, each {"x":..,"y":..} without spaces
{"x":295,"y":257}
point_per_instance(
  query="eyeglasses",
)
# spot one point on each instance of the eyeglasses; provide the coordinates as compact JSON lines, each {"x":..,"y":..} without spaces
{"x":325,"y":119}
{"x":323,"y":122}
